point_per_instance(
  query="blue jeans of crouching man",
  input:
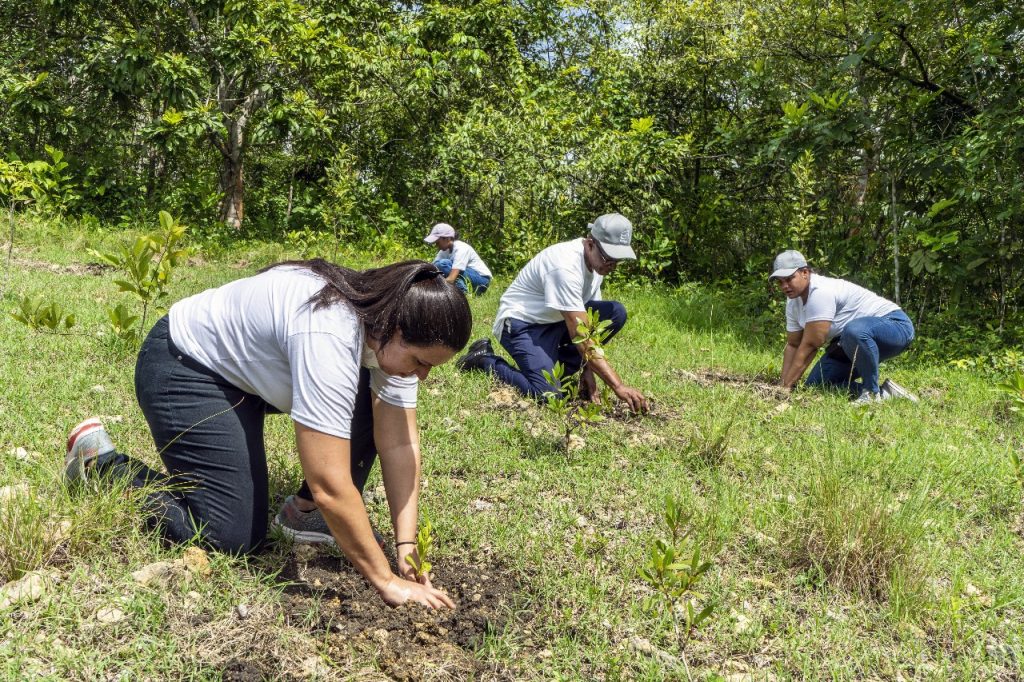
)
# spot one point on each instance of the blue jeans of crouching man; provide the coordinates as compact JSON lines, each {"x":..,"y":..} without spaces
{"x":537,"y":347}
{"x":479,"y":282}
{"x":866,"y":341}
{"x":210,"y":437}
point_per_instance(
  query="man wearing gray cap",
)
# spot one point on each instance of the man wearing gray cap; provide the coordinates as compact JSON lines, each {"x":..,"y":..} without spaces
{"x":540,"y":311}
{"x":860,"y":327}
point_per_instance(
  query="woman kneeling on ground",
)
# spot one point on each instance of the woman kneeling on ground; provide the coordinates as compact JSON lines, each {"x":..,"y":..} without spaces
{"x":340,"y":351}
{"x":860,"y":327}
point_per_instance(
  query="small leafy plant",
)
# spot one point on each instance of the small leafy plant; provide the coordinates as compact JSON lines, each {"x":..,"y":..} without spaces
{"x":1014,"y":388}
{"x":40,"y":315}
{"x":674,"y":573}
{"x":146,"y":267}
{"x":573,"y":410}
{"x":424,"y":542}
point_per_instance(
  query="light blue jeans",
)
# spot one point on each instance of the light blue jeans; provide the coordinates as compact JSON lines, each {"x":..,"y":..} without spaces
{"x":479,"y":282}
{"x":866,"y":341}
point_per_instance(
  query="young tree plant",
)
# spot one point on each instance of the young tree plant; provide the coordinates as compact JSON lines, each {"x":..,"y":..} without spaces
{"x":674,"y":573}
{"x":424,"y":542}
{"x":573,"y":410}
{"x":146,"y":267}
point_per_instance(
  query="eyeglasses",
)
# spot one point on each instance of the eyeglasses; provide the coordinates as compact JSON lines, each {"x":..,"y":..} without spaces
{"x":605,"y":258}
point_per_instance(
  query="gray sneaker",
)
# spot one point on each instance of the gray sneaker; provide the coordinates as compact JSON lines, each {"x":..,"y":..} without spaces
{"x":86,"y":442}
{"x":308,"y":527}
{"x":866,"y":398}
{"x":890,"y":389}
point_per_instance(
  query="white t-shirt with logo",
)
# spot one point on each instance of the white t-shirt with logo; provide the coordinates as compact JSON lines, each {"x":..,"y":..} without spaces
{"x":835,"y":300}
{"x":556,"y":280}
{"x":260,"y":335}
{"x":463,"y":256}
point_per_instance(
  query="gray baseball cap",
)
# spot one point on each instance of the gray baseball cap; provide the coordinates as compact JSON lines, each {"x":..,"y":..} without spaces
{"x":786,"y":263}
{"x":615,"y":233}
{"x":438,"y":231}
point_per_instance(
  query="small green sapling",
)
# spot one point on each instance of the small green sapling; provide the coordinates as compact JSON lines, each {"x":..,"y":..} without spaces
{"x":574,"y":410}
{"x":674,"y":572}
{"x":424,"y":541}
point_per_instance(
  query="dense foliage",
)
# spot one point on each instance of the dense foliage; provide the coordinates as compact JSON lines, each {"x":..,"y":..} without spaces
{"x":884,"y":138}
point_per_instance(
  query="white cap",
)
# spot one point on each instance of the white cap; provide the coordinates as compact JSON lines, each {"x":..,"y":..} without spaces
{"x":438,"y":231}
{"x":614,"y":232}
{"x":786,"y":263}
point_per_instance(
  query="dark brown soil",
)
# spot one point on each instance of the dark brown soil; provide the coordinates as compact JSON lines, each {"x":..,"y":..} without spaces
{"x":327,"y":595}
{"x":760,"y":385}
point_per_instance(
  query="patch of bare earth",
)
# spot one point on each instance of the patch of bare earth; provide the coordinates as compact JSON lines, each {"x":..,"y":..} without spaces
{"x":760,"y":385}
{"x":328,"y":597}
{"x":71,"y":269}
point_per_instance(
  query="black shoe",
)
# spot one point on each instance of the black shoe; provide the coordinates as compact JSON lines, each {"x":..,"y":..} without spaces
{"x":475,"y":358}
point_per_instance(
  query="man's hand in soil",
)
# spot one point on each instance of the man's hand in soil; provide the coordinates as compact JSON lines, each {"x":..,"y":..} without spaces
{"x":589,"y":385}
{"x":633,"y":398}
{"x":399,"y":591}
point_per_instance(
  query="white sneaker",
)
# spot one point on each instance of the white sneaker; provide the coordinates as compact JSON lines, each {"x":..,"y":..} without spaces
{"x":866,"y":398}
{"x":890,"y":389}
{"x":86,"y":442}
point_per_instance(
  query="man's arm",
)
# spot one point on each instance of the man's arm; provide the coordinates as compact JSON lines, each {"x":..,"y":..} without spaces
{"x":601,"y":367}
{"x":453,"y":275}
{"x":801,"y":347}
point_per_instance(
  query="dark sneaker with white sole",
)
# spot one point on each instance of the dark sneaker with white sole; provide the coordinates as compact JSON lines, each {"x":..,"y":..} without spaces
{"x":308,"y":527}
{"x":86,"y":442}
{"x":476,"y":357}
{"x":890,"y":389}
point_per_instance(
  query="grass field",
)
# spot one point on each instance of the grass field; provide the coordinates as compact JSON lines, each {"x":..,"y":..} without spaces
{"x":850,"y":544}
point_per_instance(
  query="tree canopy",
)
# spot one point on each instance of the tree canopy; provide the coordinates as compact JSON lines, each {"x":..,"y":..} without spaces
{"x":885,"y":139}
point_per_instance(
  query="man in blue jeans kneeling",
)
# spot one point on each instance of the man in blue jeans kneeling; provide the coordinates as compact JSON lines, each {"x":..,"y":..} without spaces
{"x":860,"y":327}
{"x":540,"y":311}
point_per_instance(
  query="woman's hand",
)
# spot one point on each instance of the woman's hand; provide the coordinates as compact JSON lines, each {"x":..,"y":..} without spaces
{"x":406,"y":570}
{"x":399,"y":591}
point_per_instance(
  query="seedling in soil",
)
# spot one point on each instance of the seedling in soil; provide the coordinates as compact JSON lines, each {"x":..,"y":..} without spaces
{"x":573,"y":410}
{"x":424,"y":541}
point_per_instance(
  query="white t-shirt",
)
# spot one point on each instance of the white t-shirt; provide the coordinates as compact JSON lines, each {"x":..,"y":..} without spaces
{"x":837,"y":300}
{"x":463,"y":256}
{"x":556,"y":280}
{"x":260,"y":335}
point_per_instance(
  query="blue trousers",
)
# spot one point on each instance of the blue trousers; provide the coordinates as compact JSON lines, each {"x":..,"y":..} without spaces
{"x":479,"y":282}
{"x":210,"y":437}
{"x":537,"y":347}
{"x":866,"y":341}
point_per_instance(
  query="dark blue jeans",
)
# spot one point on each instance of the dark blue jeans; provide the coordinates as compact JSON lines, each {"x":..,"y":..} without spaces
{"x":866,"y":341}
{"x":479,"y":282}
{"x":537,"y":347}
{"x":210,"y":437}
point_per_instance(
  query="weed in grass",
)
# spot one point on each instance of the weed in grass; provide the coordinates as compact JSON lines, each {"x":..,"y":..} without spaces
{"x":710,"y":444}
{"x":854,"y":538}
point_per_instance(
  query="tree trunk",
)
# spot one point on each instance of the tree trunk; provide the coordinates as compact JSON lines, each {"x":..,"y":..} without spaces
{"x":232,"y":205}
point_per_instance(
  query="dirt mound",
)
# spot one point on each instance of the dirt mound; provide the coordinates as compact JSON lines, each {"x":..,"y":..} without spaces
{"x":327,"y":595}
{"x":761,"y":385}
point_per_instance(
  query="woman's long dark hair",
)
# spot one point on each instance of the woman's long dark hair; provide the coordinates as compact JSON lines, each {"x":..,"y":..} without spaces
{"x":412,"y":296}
